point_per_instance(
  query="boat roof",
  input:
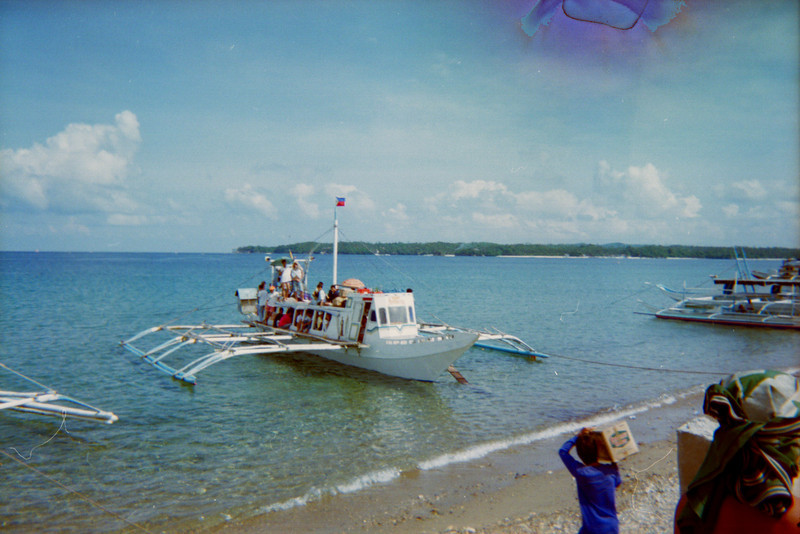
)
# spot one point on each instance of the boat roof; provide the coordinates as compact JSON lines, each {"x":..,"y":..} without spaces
{"x":756,"y":282}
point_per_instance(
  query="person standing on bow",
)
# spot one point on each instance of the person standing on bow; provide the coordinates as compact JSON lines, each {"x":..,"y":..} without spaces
{"x":297,"y":280}
{"x":286,"y":279}
{"x":597,"y":484}
{"x":262,"y":296}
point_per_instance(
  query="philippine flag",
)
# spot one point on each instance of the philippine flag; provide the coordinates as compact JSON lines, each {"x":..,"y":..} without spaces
{"x":339,"y":201}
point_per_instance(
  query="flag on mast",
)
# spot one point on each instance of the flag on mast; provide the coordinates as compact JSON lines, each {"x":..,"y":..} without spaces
{"x":340,"y":201}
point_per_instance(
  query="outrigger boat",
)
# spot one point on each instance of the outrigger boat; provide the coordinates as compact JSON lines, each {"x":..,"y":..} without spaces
{"x":770,"y":303}
{"x":362,"y":328}
{"x":48,"y":401}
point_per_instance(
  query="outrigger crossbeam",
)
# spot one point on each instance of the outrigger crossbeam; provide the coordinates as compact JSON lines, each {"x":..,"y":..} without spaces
{"x":50,"y":402}
{"x":228,"y":341}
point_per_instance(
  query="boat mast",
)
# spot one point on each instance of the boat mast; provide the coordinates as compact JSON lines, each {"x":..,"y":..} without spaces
{"x":335,"y":245}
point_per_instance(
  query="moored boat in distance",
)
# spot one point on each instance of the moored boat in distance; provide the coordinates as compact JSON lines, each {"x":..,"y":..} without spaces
{"x":770,"y":303}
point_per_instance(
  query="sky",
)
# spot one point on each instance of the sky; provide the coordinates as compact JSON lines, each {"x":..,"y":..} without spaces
{"x":208,"y":125}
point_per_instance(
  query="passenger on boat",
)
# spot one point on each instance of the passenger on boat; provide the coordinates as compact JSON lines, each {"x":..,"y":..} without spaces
{"x":332,"y":293}
{"x":297,"y":278}
{"x":286,"y":319}
{"x":305,"y":325}
{"x":319,"y":295}
{"x":286,"y":279}
{"x":262,"y":296}
{"x":272,"y":303}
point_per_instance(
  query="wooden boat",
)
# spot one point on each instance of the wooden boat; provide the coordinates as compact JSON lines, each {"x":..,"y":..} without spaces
{"x":361,"y":327}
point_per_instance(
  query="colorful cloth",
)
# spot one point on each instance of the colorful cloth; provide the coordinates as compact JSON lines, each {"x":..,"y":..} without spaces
{"x":755,"y":452}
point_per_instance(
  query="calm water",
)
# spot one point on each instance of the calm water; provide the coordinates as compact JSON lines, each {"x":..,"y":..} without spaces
{"x":259,"y":433}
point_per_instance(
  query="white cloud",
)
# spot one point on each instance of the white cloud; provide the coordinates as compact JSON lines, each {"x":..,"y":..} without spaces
{"x":642,"y":192}
{"x":731,"y":210}
{"x":749,"y":189}
{"x":399,"y":212}
{"x":495,"y":221}
{"x":121,"y":219}
{"x":476,"y":189}
{"x":250,"y":198}
{"x":302,"y":193}
{"x":83,"y":167}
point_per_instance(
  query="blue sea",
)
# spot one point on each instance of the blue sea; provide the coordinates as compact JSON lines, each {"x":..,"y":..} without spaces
{"x":261,"y":433}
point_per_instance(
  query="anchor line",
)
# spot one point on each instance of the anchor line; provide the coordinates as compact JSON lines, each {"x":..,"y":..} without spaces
{"x":639,"y":368}
{"x":76,"y":493}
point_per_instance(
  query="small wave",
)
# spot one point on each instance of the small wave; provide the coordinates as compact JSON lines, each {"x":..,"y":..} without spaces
{"x":357,"y":484}
{"x":480,"y":451}
{"x":364,"y":481}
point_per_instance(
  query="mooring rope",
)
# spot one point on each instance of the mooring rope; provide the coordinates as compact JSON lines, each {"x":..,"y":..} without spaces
{"x":76,"y":493}
{"x":45,"y":442}
{"x":638,"y":367}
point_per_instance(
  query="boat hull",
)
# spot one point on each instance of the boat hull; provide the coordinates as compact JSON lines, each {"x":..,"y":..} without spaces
{"x":734,"y":319}
{"x":423,"y":358}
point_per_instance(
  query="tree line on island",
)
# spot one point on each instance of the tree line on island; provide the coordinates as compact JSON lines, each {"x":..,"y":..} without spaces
{"x":439,"y":248}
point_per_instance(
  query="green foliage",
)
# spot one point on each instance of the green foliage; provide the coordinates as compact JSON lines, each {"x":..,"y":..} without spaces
{"x":440,"y":248}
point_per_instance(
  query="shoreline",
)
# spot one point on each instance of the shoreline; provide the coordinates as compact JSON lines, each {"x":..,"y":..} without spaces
{"x":519,"y":488}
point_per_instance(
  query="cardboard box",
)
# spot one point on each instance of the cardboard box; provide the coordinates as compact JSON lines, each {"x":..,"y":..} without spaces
{"x":618,"y":441}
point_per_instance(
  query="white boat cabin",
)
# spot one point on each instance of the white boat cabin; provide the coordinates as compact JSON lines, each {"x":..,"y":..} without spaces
{"x":356,"y":315}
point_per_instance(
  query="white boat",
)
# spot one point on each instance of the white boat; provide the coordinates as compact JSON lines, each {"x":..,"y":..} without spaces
{"x":47,"y":401}
{"x":770,"y":303}
{"x":362,"y":328}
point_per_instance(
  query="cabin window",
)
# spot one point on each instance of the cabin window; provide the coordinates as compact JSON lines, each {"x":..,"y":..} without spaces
{"x":372,"y":316}
{"x":382,"y":314}
{"x":411,"y":314}
{"x":397,"y":315}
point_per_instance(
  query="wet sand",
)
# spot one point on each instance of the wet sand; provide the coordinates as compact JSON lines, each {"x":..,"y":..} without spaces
{"x":522,"y":489}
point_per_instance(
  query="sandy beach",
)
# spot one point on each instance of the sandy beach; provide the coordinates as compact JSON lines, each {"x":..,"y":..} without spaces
{"x":518,"y":490}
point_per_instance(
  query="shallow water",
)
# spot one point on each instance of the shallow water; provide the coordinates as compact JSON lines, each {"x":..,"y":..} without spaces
{"x":260,"y":433}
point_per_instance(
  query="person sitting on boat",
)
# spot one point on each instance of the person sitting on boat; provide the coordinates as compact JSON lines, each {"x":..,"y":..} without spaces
{"x":297,"y":278}
{"x":286,"y":319}
{"x":305,"y":324}
{"x":332,"y":294}
{"x":262,"y":296}
{"x":319,"y":295}
{"x":286,"y":279}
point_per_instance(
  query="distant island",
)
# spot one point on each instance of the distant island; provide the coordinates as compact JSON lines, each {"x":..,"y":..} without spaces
{"x":439,"y":248}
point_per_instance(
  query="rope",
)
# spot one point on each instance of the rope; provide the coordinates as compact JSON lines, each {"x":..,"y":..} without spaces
{"x":30,"y":454}
{"x":640,"y":368}
{"x":29,"y":379}
{"x":76,"y":493}
{"x":636,"y":475}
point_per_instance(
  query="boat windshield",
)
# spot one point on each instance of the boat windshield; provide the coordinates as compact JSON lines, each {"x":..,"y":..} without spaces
{"x":393,"y":315}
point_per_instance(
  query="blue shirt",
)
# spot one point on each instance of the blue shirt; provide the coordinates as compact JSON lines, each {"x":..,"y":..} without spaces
{"x":596,"y":487}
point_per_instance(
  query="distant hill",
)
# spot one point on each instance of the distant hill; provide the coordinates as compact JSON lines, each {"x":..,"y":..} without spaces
{"x":439,"y":248}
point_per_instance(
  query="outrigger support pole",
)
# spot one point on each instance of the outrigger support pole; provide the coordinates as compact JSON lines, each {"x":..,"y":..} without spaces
{"x":458,"y":376}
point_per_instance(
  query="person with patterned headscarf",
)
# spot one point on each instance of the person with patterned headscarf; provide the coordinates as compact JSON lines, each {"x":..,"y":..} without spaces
{"x":753,"y":458}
